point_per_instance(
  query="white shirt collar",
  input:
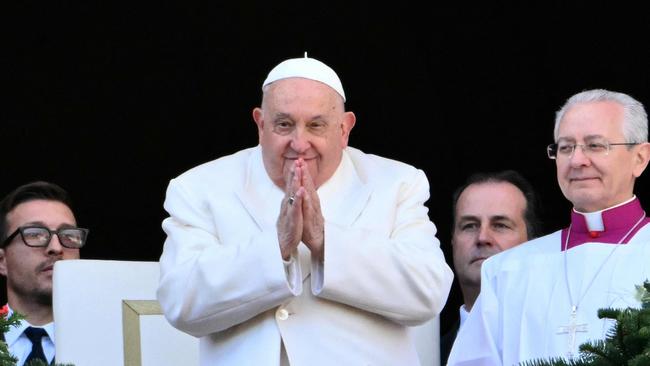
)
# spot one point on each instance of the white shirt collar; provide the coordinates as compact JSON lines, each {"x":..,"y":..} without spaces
{"x":16,"y":340}
{"x":463,"y":315}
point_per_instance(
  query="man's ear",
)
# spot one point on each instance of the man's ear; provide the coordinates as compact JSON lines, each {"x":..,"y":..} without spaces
{"x":258,"y":117}
{"x":349,"y":119}
{"x":641,"y":159}
{"x":3,"y":263}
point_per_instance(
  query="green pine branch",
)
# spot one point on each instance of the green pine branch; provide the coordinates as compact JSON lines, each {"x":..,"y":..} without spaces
{"x":6,"y":358}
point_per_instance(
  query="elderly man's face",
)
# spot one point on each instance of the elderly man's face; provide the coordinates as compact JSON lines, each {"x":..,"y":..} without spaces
{"x":302,"y":118}
{"x":593,"y":182}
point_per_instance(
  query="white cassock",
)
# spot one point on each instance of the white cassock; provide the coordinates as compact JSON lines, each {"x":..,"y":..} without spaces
{"x":524,"y":309}
{"x":223,"y":278}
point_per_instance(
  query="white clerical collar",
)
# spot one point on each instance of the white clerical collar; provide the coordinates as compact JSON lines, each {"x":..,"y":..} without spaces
{"x":463,"y":315}
{"x":594,"y":220}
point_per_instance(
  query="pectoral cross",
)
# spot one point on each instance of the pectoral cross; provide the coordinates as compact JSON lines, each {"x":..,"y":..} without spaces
{"x":571,"y":330}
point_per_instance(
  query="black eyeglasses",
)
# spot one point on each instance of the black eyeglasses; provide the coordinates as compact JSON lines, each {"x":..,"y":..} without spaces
{"x":39,"y":236}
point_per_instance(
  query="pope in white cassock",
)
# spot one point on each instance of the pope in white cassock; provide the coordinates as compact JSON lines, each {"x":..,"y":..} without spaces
{"x":302,"y":250}
{"x":540,"y":299}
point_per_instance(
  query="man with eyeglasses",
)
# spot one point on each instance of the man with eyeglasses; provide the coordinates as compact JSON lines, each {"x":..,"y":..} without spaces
{"x":541,"y":299}
{"x":37,"y":228}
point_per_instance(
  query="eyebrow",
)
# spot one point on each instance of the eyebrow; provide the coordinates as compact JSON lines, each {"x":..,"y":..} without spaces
{"x":588,"y":137}
{"x":282,"y":115}
{"x":501,"y":218}
{"x":466,"y":218}
{"x":41,"y":223}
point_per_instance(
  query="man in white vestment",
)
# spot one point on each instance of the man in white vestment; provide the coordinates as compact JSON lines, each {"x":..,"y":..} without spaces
{"x":540,"y":299}
{"x":302,"y":251}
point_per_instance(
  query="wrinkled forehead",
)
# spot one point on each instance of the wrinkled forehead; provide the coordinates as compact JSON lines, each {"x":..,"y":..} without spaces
{"x":592,"y":119}
{"x":301,"y":91}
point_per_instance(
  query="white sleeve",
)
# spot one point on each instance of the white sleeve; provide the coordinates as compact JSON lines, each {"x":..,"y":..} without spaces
{"x":206,"y":285}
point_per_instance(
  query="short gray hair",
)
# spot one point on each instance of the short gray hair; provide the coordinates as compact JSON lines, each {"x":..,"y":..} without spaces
{"x":635,"y":119}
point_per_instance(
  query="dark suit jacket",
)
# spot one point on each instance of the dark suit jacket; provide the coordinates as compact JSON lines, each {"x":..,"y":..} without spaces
{"x":447,"y":341}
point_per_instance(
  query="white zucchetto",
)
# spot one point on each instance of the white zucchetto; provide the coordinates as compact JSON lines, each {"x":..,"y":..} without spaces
{"x":308,"y":68}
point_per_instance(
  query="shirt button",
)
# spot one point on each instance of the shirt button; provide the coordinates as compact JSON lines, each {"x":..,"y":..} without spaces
{"x":282,"y":314}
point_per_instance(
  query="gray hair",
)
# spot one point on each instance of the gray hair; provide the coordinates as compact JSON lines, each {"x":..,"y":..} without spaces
{"x":635,"y":119}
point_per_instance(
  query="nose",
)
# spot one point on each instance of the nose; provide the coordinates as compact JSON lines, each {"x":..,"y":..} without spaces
{"x":54,"y":247}
{"x":300,"y":140}
{"x":579,"y":158}
{"x":485,"y":236}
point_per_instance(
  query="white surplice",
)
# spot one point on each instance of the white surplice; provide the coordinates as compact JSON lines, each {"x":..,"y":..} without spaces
{"x":524,"y":307}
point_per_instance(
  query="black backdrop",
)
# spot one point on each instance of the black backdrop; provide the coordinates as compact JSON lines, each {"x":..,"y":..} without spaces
{"x":111,"y":100}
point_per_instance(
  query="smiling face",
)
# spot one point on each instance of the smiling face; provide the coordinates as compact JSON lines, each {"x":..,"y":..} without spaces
{"x":29,"y":270}
{"x":489,"y":218}
{"x":302,"y":118}
{"x":593,"y":182}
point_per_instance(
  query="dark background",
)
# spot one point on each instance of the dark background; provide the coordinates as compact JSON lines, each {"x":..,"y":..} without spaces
{"x":112,"y":99}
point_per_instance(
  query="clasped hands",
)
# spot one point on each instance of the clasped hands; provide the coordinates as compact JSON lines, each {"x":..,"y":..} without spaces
{"x":300,"y":217}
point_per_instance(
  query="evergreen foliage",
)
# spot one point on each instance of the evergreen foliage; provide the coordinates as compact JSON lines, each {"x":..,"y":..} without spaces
{"x":6,"y":358}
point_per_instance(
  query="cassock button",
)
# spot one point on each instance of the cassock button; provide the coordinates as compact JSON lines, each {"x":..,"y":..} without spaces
{"x":282,"y":314}
{"x":594,"y":234}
